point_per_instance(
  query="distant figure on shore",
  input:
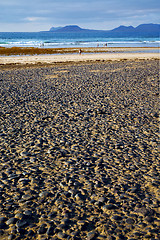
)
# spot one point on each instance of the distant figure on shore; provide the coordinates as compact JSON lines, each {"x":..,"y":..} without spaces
{"x":41,"y":44}
{"x":80,"y":51}
{"x":98,"y":45}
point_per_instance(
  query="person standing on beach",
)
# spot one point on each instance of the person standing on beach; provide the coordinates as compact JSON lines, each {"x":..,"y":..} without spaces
{"x":80,"y":51}
{"x":42,"y":44}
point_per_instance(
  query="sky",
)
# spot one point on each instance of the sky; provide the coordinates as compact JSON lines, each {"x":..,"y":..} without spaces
{"x":41,"y":15}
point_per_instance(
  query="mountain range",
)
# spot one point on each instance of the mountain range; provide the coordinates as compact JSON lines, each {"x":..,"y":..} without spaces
{"x":151,"y":29}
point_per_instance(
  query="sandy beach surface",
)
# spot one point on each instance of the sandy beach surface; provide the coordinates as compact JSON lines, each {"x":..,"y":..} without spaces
{"x":79,"y":148}
{"x":71,"y":55}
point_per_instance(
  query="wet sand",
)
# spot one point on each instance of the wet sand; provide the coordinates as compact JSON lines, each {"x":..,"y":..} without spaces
{"x":7,"y":51}
{"x":79,"y":150}
{"x":38,"y":55}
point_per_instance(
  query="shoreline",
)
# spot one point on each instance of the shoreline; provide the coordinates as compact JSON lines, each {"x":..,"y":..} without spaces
{"x":8,"y":51}
{"x":72,"y":55}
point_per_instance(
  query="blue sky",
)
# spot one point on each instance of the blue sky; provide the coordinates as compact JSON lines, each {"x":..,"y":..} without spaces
{"x":37,"y":15}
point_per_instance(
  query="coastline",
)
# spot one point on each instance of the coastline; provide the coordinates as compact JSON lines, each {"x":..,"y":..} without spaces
{"x":72,"y":55}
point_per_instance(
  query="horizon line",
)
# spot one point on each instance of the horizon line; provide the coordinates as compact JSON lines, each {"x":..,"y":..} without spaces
{"x":79,"y":27}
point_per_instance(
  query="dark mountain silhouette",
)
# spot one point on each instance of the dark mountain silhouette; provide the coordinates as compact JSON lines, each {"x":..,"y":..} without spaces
{"x":141,"y":28}
{"x":71,"y":28}
{"x":149,"y":29}
{"x":55,"y":29}
{"x":123,"y":29}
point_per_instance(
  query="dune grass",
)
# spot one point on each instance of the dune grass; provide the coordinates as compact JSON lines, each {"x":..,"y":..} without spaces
{"x":37,"y":51}
{"x":34,"y":51}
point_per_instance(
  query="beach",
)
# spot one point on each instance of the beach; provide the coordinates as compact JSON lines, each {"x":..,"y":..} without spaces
{"x":79,"y":146}
{"x":37,"y":55}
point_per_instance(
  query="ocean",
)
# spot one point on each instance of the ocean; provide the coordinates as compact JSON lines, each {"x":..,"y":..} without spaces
{"x":78,"y":39}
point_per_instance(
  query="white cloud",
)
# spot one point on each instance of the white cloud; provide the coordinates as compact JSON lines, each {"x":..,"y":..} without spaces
{"x":33,"y":19}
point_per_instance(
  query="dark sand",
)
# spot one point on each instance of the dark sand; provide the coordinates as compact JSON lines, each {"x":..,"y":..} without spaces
{"x":79,"y":156}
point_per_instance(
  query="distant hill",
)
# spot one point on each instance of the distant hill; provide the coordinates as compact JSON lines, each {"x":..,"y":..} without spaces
{"x":55,"y":29}
{"x":70,"y":28}
{"x":123,"y":29}
{"x":148,"y":29}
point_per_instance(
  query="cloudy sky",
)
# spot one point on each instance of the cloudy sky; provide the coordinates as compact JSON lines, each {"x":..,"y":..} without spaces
{"x":37,"y":15}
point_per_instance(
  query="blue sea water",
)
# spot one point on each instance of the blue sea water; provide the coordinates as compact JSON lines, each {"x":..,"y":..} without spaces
{"x":79,"y":39}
